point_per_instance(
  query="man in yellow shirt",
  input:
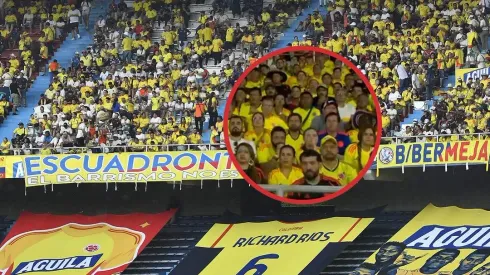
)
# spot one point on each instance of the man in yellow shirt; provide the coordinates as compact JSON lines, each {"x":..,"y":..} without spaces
{"x":306,"y":110}
{"x":19,"y":133}
{"x":271,"y":119}
{"x":127,"y":44}
{"x":295,"y":135}
{"x":217,"y":51}
{"x":267,"y":154}
{"x":333,"y":167}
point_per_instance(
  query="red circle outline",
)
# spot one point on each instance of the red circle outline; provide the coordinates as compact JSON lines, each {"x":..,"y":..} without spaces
{"x":307,"y":49}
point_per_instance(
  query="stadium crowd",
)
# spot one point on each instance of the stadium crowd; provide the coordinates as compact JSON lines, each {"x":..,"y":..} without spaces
{"x":407,"y":50}
{"x":30,"y":33}
{"x":302,"y":108}
{"x":127,"y":89}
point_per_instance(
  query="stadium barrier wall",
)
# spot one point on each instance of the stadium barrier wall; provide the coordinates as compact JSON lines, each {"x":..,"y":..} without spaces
{"x":280,"y":190}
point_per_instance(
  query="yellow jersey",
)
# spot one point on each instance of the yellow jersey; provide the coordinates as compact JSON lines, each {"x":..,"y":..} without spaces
{"x":343,"y":173}
{"x":273,"y":121}
{"x":72,"y":249}
{"x":277,"y":177}
{"x":307,"y":116}
{"x":265,"y":153}
{"x":295,"y":143}
{"x":351,"y":156}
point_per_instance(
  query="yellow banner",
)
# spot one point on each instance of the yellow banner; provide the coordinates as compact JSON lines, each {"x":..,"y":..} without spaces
{"x":432,"y":153}
{"x":443,"y":241}
{"x":464,"y":74}
{"x":120,"y":167}
{"x":278,"y":247}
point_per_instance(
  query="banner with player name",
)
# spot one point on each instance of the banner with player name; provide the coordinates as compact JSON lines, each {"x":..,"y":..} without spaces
{"x":277,"y":247}
{"x":77,"y":244}
{"x":433,"y":153}
{"x":446,"y":240}
{"x":40,"y":170}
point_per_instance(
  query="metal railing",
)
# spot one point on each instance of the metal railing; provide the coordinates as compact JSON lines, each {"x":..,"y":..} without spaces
{"x":280,"y":190}
{"x":422,"y":138}
{"x":119,"y":149}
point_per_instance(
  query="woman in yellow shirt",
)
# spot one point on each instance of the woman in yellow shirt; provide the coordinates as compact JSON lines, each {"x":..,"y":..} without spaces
{"x":286,"y":173}
{"x":357,"y":154}
{"x":258,"y":134}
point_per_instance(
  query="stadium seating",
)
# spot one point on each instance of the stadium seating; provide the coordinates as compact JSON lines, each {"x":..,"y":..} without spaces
{"x":11,"y":48}
{"x":171,"y":245}
{"x":158,"y":29}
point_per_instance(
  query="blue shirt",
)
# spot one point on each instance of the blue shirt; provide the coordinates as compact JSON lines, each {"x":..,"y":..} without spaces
{"x":343,"y":140}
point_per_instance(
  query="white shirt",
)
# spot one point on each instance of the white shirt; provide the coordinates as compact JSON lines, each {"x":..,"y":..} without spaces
{"x":39,"y":140}
{"x":103,"y":75}
{"x":66,"y":130}
{"x":101,"y":23}
{"x":155,"y":120}
{"x":394,"y":96}
{"x":347,"y":111}
{"x":86,"y":6}
{"x":82,"y":129}
{"x":191,"y":79}
{"x":402,"y":73}
{"x":392,"y":113}
{"x":416,"y":81}
{"x":74,"y":16}
{"x":28,"y":17}
{"x":189,"y":106}
{"x":179,"y":106}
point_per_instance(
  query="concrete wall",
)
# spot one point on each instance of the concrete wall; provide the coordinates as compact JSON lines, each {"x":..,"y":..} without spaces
{"x":410,"y":191}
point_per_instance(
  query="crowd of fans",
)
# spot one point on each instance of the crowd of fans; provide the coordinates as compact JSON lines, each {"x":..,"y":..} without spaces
{"x":30,"y":29}
{"x":407,"y":49}
{"x":302,"y":108}
{"x":128,"y":90}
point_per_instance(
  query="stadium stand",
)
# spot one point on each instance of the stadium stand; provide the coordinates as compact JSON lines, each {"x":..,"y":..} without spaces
{"x":370,"y":36}
{"x":29,"y":37}
{"x":203,"y":70}
{"x":63,"y":56}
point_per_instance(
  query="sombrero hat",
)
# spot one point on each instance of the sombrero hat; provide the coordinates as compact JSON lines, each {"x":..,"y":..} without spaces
{"x":363,"y":117}
{"x":283,"y":75}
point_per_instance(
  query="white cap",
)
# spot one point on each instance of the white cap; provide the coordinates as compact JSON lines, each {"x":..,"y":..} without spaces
{"x":385,"y":10}
{"x":415,"y":120}
{"x":363,"y":71}
{"x":448,"y":131}
{"x":426,"y":121}
{"x":362,"y":44}
{"x":353,"y":24}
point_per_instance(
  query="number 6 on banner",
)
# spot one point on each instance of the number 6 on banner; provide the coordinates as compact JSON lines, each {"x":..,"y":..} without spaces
{"x":259,"y":268}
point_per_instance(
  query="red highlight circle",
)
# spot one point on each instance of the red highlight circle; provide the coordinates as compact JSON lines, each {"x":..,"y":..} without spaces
{"x":361,"y":76}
